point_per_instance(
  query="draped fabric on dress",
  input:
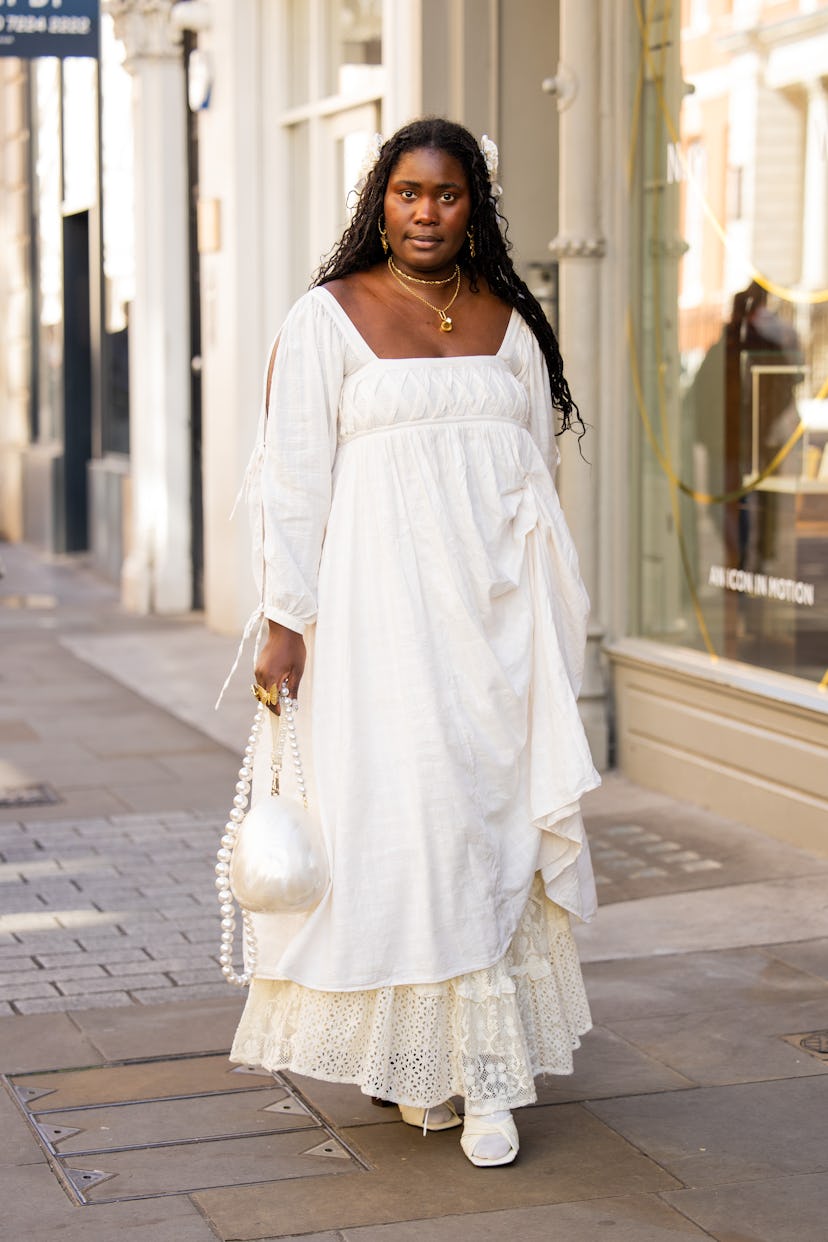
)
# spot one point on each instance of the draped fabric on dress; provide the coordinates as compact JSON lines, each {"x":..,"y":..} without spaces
{"x":406,"y":521}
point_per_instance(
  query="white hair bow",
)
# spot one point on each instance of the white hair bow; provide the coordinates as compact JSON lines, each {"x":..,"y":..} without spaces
{"x":492,"y":157}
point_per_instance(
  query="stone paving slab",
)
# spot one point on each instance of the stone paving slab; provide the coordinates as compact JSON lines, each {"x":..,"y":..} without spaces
{"x":34,"y":1043}
{"x":36,"y":1208}
{"x":775,"y":1209}
{"x":19,"y":1145}
{"x":103,"y":746}
{"x":49,"y":1005}
{"x":172,"y":795}
{"x":328,"y":1236}
{"x":733,"y":1046}
{"x":715,"y":1136}
{"x":182,"y":672}
{"x":698,"y":982}
{"x":634,"y":860}
{"x":609,"y":1065}
{"x":71,"y":766}
{"x":91,"y":801}
{"x":618,"y":801}
{"x":635,"y":1218}
{"x":810,"y":955}
{"x":565,"y":1156}
{"x":743,"y":915}
{"x":181,"y":1028}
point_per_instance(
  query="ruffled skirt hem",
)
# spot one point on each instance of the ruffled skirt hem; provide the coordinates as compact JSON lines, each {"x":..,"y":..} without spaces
{"x":484,"y":1036}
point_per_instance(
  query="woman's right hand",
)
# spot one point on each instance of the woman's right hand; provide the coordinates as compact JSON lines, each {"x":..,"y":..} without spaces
{"x":282,"y":658}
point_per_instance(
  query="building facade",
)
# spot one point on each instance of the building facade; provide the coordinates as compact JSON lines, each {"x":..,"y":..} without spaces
{"x":665,"y":170}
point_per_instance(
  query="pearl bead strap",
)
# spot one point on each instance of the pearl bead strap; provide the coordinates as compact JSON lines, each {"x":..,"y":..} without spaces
{"x":285,"y":734}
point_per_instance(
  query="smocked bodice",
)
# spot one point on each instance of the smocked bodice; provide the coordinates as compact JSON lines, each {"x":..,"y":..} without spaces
{"x":388,"y":392}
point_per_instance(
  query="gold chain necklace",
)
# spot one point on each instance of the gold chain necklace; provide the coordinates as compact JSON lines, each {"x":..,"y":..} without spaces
{"x":446,"y":324}
{"x":417,"y":280}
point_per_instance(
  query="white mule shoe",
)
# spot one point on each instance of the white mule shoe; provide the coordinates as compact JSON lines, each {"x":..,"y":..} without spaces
{"x":474,"y":1128}
{"x":422,"y":1118}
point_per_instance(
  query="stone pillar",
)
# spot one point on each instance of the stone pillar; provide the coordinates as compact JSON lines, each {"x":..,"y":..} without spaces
{"x":815,"y":206}
{"x":157,"y":572}
{"x":579,"y":248}
{"x":402,"y":37}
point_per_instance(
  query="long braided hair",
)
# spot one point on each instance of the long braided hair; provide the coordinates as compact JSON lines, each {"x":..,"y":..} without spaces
{"x":360,"y":246}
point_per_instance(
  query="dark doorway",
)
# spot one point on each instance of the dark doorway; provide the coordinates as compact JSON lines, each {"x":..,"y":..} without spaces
{"x":196,"y":482}
{"x":77,"y":379}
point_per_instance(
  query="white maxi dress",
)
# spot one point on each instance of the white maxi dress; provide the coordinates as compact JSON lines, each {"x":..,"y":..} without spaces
{"x":406,"y":522}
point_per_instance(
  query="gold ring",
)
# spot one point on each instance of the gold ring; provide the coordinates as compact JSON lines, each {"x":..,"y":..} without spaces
{"x":261,"y":694}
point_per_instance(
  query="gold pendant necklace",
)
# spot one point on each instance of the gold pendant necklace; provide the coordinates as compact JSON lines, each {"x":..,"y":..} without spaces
{"x":446,"y":324}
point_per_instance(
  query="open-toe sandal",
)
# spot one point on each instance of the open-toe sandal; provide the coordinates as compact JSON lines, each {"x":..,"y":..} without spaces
{"x":421,"y":1118}
{"x":475,"y":1127}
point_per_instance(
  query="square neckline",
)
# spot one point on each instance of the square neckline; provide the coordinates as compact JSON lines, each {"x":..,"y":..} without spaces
{"x":354,"y":331}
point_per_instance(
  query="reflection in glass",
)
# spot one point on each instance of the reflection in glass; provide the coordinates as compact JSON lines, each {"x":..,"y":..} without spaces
{"x":732,"y":344}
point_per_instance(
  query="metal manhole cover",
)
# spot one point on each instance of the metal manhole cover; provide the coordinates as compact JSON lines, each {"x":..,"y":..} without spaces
{"x":27,"y":795}
{"x":813,"y":1042}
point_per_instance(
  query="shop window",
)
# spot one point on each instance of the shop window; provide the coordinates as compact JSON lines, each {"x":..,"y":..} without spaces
{"x":729,"y":342}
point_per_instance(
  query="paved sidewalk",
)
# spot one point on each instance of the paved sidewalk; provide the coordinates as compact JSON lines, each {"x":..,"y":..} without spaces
{"x":699,"y":1105}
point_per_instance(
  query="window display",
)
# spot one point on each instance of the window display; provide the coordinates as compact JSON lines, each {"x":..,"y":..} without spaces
{"x":729,"y":344}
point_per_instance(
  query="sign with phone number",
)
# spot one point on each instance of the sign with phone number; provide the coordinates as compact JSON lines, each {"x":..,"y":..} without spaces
{"x":31,"y":28}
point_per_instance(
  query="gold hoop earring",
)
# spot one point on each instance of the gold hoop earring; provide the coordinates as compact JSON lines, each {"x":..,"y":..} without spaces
{"x":472,"y":249}
{"x":383,"y":236}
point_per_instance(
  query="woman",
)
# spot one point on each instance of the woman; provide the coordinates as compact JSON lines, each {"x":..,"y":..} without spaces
{"x":415,"y":555}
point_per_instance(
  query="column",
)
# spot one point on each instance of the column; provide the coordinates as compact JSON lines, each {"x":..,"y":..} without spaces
{"x":579,"y":248}
{"x":157,"y":572}
{"x":402,"y":37}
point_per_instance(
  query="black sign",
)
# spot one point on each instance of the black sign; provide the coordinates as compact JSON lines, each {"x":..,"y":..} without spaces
{"x":30,"y":28}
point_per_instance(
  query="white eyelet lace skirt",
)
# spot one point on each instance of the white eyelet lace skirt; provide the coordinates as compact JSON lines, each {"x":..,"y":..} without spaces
{"x":484,"y":1036}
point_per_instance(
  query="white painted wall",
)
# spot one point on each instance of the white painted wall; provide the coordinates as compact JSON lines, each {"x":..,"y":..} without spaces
{"x":235,"y":276}
{"x":15,"y":350}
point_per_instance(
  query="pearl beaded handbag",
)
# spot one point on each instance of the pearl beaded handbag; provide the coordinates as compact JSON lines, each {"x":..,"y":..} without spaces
{"x":272,"y":859}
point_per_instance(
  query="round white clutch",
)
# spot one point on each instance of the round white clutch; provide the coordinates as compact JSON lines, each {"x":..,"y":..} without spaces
{"x":272,"y":859}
